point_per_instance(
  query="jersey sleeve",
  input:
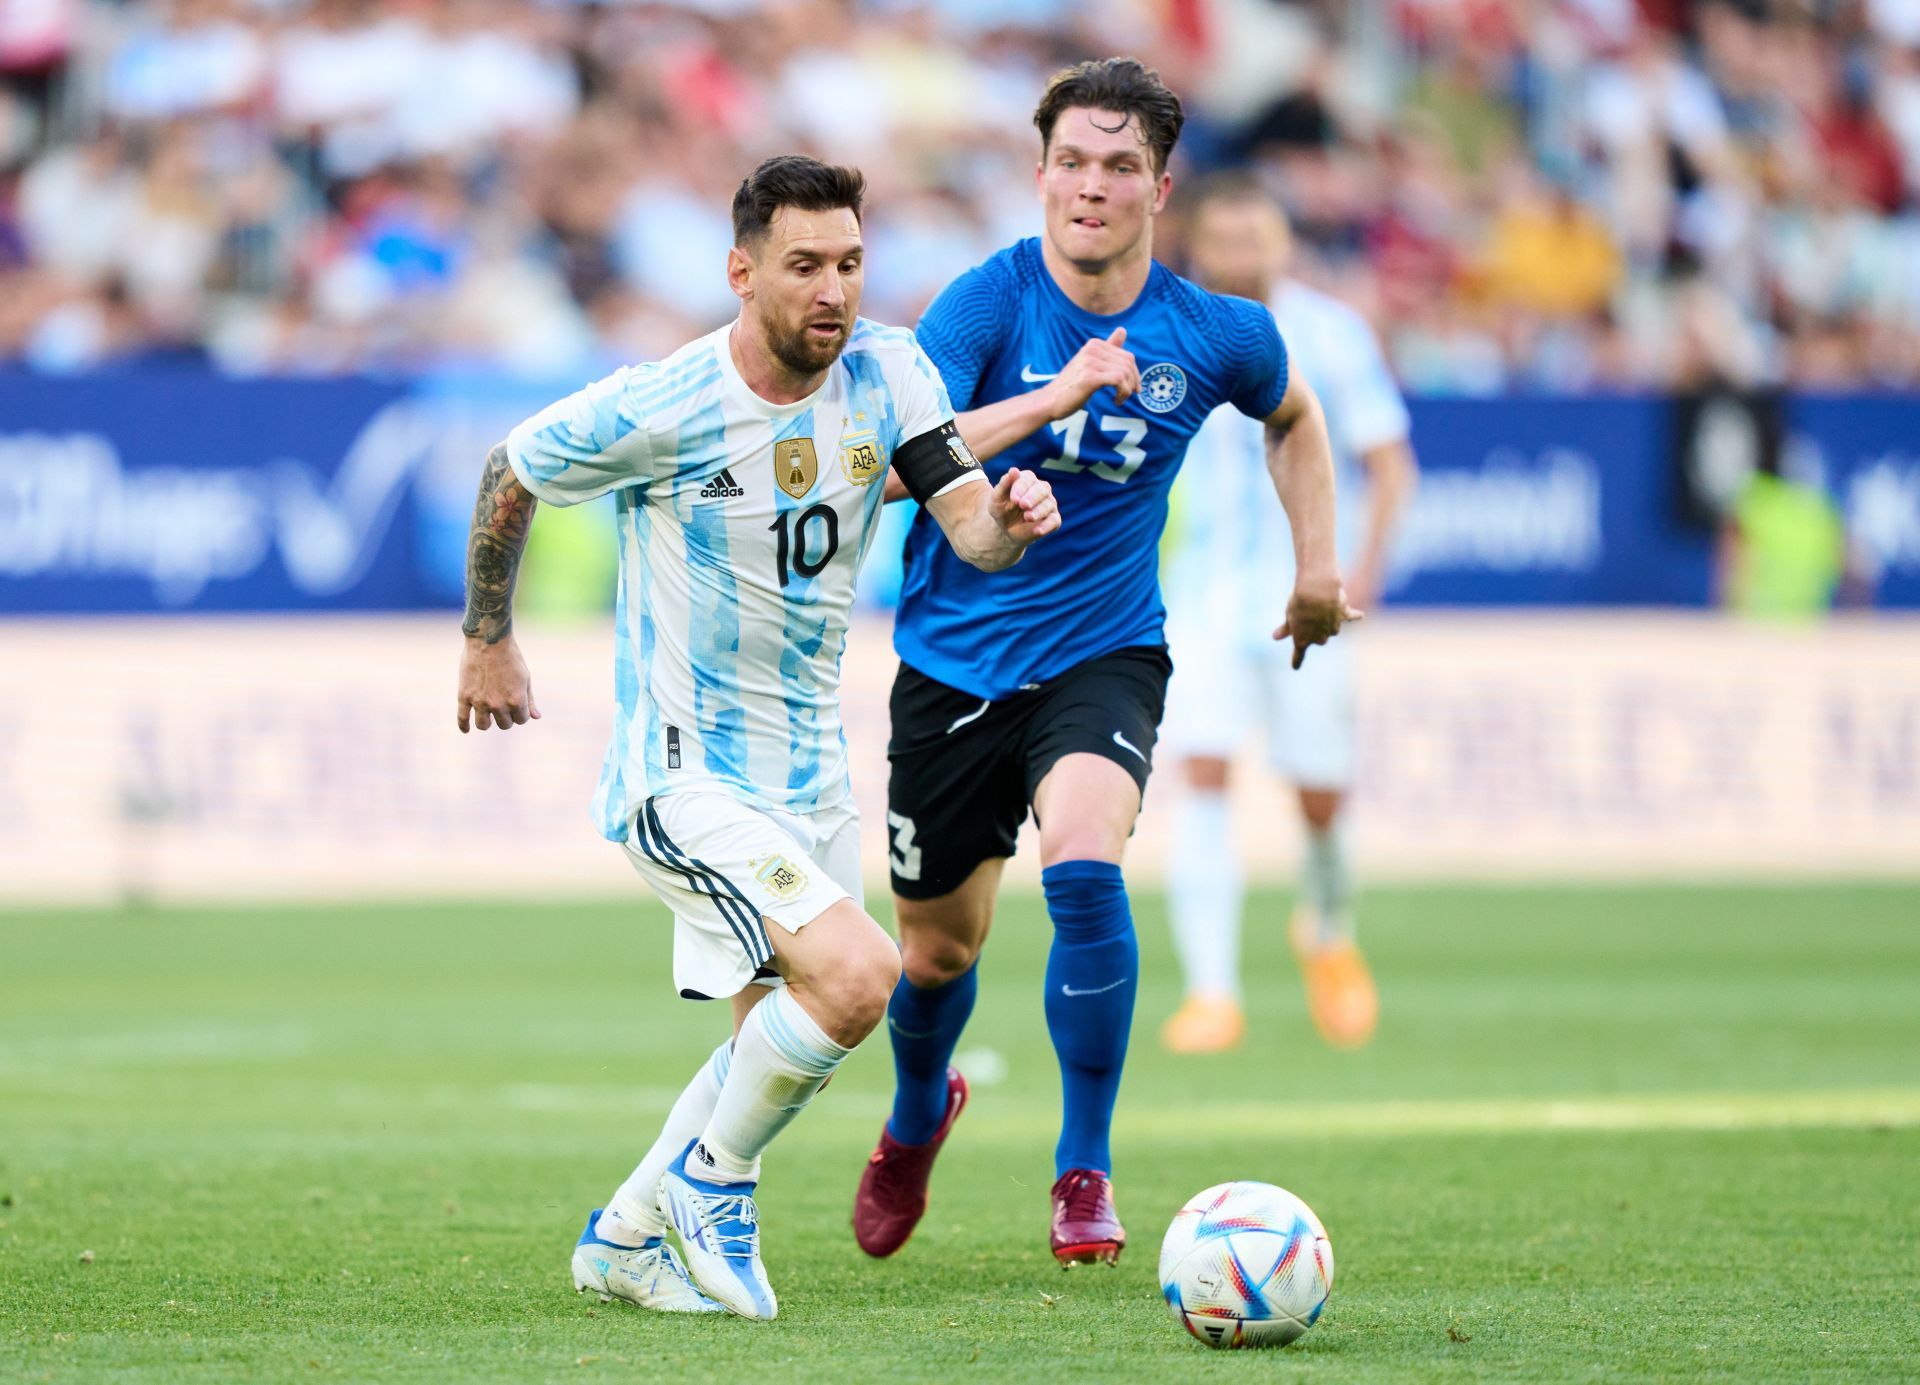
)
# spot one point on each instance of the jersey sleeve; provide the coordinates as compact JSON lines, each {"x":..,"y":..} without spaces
{"x":1256,"y":357}
{"x":931,"y":458}
{"x":964,"y":328}
{"x":1364,"y":407}
{"x":583,"y":446}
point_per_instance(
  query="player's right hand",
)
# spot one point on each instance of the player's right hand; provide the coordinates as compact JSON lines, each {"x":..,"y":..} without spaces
{"x":495,"y":687}
{"x":1103,"y":363}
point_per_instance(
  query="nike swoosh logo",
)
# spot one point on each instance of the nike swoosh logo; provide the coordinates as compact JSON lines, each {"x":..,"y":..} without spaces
{"x":1126,"y":744}
{"x":1097,"y":990}
{"x":1033,"y":377}
{"x":969,"y":717}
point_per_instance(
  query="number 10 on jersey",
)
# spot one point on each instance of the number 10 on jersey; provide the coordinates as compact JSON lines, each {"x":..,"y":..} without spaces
{"x":805,"y":541}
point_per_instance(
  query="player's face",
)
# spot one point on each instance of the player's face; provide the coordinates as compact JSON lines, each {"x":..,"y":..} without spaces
{"x":800,"y":285}
{"x":1239,"y":247}
{"x":1099,"y":188}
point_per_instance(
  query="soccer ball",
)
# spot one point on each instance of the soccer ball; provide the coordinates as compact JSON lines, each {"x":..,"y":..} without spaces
{"x":1246,"y":1265}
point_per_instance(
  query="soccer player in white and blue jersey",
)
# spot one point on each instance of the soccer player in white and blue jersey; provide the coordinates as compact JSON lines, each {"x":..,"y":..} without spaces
{"x":747,"y":471}
{"x":1076,"y":355}
{"x":1233,"y":549}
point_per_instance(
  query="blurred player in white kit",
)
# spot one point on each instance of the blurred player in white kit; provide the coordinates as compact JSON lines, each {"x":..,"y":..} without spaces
{"x":1231,"y":679}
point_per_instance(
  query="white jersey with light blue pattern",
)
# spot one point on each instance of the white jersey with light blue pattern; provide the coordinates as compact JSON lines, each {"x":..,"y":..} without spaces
{"x":742,"y":526}
{"x":1234,"y":549}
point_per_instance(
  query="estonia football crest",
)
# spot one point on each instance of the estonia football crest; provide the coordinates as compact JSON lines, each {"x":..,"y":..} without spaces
{"x":1162,"y":387}
{"x":795,"y":466}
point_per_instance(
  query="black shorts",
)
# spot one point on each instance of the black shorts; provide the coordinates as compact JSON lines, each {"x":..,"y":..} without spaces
{"x":964,"y":770}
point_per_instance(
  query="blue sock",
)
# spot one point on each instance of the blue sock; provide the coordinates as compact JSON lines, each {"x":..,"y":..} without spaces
{"x":1092,"y":973}
{"x":925,"y":1026}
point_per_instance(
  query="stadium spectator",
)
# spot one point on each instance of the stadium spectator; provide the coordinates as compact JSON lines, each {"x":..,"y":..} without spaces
{"x":331,"y":185}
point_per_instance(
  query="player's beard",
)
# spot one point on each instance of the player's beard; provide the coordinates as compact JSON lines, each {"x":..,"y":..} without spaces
{"x":803,"y":353}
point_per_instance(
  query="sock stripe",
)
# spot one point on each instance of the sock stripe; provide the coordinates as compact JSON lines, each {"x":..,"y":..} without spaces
{"x":736,"y":908}
{"x":781,"y":1034}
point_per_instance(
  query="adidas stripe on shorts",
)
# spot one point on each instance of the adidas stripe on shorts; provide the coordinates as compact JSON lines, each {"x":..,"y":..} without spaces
{"x":724,"y":866}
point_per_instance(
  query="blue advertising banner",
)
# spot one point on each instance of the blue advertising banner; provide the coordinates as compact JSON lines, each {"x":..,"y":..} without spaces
{"x":160,"y":491}
{"x":1547,"y":502}
{"x":186,"y":491}
{"x":1866,"y":450}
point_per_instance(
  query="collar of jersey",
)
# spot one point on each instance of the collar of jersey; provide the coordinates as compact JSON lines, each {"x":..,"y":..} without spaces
{"x":743,"y":392}
{"x":1105,"y":321}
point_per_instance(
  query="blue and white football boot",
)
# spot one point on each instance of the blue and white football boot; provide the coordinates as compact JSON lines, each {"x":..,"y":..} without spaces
{"x":648,"y":1275}
{"x":720,"y":1231}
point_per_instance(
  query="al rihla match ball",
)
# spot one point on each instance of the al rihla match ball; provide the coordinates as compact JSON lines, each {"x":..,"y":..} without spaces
{"x":1246,"y":1265}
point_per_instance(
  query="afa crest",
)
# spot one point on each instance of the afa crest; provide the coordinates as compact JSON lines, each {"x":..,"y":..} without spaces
{"x":860,"y":458}
{"x":795,"y":466}
{"x":782,"y":878}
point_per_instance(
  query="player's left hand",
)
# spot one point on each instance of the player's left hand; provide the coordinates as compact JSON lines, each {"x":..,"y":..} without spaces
{"x":1023,"y":505}
{"x":1315,"y":612}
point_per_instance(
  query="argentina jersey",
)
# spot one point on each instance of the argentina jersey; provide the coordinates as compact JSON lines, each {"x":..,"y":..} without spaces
{"x":742,"y":525}
{"x":1233,"y":549}
{"x":1005,"y":328}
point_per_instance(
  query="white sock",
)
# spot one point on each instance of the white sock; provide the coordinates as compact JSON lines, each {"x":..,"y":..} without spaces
{"x":1326,"y":882}
{"x":633,"y":1212}
{"x":1206,"y":894}
{"x":780,"y":1059}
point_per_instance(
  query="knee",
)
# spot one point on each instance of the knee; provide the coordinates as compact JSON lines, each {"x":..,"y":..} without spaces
{"x":861,"y":987}
{"x":1207,"y":774}
{"x":1320,"y":807}
{"x":934,"y":959}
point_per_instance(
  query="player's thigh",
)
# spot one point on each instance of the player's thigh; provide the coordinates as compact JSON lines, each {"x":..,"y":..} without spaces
{"x":1089,"y":751}
{"x":841,"y":967}
{"x":1206,"y":697}
{"x":745,"y":999}
{"x":941,"y":937}
{"x":1313,"y":718}
{"x":955,"y":797}
{"x":727,"y":871}
{"x":1086,"y":806}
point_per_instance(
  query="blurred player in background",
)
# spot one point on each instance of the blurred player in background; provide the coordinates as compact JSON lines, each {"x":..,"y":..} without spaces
{"x":1077,"y":355}
{"x":744,"y":468}
{"x":1232,"y":678}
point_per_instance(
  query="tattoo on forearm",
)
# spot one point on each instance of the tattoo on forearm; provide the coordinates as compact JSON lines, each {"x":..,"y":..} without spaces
{"x":502,"y":515}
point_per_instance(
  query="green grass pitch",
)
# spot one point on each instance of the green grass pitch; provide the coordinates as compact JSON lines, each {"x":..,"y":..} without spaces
{"x":1603,"y":1134}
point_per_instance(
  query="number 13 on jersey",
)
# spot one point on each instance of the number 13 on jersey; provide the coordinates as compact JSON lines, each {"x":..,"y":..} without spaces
{"x":1127,"y":434}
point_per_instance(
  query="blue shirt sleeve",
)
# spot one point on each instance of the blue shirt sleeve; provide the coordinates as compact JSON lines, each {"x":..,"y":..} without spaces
{"x":964,"y":328}
{"x":1257,"y":357}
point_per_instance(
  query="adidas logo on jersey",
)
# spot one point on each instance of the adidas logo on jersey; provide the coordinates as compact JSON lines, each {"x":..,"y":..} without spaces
{"x":722,"y":487}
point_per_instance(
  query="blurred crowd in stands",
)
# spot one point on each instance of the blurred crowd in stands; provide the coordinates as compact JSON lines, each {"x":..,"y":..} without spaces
{"x":1522,"y":194}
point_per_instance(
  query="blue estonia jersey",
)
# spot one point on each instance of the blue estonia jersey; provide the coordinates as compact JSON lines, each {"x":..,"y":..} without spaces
{"x":1001,"y":330}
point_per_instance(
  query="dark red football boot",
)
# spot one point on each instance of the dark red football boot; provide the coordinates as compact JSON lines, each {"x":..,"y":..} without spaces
{"x":893,"y":1187}
{"x":1086,"y":1229}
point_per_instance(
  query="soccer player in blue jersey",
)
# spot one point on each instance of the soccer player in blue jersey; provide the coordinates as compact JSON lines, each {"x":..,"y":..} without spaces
{"x":1078,"y":357}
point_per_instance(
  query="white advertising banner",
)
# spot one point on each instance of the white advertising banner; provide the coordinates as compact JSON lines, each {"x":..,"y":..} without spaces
{"x":199,"y":758}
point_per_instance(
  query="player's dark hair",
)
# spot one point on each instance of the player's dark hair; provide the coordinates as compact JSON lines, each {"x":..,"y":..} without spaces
{"x":1124,"y":86}
{"x":793,"y":180}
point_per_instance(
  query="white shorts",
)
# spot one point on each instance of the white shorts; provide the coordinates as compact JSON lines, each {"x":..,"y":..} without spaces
{"x":724,"y":867}
{"x":1224,"y":689}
